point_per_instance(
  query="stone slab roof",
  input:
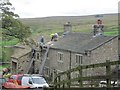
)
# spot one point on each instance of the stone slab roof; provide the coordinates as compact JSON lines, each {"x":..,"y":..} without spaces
{"x":79,"y":42}
{"x":19,"y":52}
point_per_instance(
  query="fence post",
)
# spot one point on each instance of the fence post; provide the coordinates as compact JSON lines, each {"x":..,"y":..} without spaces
{"x":63,"y":85}
{"x":80,"y":77}
{"x":55,"y":78}
{"x":108,"y":72}
{"x":59,"y":81}
{"x":69,"y":78}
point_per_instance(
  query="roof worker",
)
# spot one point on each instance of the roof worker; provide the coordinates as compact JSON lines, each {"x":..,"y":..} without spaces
{"x":52,"y":37}
{"x":33,"y":51}
{"x":42,"y":40}
{"x":55,"y":37}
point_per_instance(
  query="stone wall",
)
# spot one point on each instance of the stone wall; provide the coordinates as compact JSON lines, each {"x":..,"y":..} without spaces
{"x":23,"y":63}
{"x":55,"y":63}
{"x":108,"y":51}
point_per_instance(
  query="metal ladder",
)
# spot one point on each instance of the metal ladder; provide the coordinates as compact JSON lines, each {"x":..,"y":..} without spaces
{"x":43,"y":61}
{"x":29,"y":66}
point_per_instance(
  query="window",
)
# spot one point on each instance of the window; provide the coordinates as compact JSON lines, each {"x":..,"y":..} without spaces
{"x":47,"y":71}
{"x":79,"y":59}
{"x":60,"y":56}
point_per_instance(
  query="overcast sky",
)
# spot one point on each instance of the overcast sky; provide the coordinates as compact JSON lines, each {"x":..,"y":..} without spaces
{"x":44,"y":8}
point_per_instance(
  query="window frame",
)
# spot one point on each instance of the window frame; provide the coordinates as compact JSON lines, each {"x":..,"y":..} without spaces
{"x":79,"y":59}
{"x":47,"y":70}
{"x":60,"y":56}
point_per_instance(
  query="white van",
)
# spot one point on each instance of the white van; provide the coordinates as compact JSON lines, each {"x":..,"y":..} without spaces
{"x":34,"y":81}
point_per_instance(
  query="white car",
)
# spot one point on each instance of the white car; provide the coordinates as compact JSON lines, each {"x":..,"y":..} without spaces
{"x":34,"y":81}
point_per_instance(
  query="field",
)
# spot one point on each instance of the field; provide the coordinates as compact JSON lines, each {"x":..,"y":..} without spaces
{"x":49,"y":25}
{"x":83,"y":24}
{"x":7,"y":51}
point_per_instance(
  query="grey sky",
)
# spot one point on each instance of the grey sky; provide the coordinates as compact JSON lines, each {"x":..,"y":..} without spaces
{"x":44,"y":8}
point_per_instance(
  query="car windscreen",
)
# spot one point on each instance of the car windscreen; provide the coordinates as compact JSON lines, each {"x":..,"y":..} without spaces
{"x":38,"y":80}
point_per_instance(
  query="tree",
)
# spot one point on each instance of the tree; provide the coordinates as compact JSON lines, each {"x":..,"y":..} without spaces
{"x":11,"y":26}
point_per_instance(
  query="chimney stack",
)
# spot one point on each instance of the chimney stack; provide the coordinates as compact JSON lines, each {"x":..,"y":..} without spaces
{"x":98,"y":28}
{"x":67,"y":27}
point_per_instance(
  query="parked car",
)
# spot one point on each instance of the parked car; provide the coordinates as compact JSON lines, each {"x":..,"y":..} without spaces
{"x":34,"y":81}
{"x":12,"y":85}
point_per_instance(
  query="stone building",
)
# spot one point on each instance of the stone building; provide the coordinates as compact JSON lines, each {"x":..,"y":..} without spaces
{"x":70,"y":51}
{"x":20,"y":58}
{"x":83,"y":49}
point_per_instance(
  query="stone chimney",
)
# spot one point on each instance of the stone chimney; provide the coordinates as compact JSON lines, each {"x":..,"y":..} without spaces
{"x":68,"y":27}
{"x":98,"y":28}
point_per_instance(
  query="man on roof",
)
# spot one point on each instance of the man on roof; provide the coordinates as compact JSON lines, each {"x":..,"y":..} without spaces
{"x":54,"y":37}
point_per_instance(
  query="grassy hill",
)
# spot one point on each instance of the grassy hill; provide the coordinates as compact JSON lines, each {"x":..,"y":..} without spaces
{"x":84,"y":24}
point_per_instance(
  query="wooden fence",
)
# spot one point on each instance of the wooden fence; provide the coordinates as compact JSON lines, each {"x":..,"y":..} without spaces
{"x":67,"y":82}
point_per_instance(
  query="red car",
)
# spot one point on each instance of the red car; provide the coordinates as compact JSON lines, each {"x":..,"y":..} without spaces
{"x":17,"y":77}
{"x":14,"y":82}
{"x":13,"y":85}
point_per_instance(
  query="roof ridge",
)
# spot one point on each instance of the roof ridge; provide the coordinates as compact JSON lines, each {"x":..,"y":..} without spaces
{"x":103,"y":43}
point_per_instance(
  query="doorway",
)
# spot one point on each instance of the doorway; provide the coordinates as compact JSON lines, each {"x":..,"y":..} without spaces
{"x":14,"y":67}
